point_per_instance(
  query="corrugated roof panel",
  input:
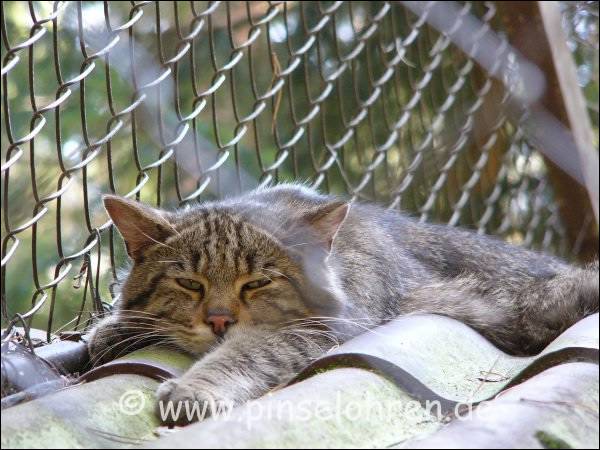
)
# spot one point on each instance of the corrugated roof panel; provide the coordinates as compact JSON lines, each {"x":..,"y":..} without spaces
{"x":411,"y":363}
{"x":454,"y":360}
{"x":555,"y":409}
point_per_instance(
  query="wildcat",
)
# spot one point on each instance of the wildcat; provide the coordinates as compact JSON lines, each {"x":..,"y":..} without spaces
{"x":256,"y":287}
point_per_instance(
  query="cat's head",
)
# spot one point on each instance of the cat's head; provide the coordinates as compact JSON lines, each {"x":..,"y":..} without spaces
{"x":203,"y":272}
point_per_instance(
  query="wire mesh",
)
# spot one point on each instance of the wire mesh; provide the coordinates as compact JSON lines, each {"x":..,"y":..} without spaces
{"x":580,"y":21}
{"x":178,"y":102}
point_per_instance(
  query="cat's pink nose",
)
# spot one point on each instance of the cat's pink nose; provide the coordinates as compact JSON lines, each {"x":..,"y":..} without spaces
{"x":220,"y":323}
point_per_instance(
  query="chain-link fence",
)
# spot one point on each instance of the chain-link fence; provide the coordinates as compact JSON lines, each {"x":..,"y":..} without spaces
{"x":580,"y":21}
{"x":178,"y":102}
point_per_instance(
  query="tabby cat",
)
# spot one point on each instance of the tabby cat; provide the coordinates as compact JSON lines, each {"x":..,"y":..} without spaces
{"x":256,"y":287}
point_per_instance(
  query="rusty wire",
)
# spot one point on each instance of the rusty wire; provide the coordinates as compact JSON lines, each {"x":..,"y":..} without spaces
{"x":176,"y":102}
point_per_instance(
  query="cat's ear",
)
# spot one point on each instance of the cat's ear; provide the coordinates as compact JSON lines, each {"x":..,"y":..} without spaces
{"x":141,"y":226}
{"x":326,"y":221}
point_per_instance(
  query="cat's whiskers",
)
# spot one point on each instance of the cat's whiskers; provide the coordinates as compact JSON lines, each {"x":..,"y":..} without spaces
{"x":320,"y":333}
{"x":174,"y":230}
{"x":342,"y":318}
{"x":322,"y":319}
{"x":322,"y":328}
{"x":138,"y":311}
{"x":167,"y":261}
{"x":152,"y":239}
{"x":276,"y":272}
{"x":144,"y":320}
{"x":58,"y":330}
{"x":140,"y":338}
{"x":148,"y":319}
{"x":144,"y":336}
{"x":327,"y":321}
{"x":134,"y":328}
{"x":298,"y":244}
{"x":98,"y":358}
{"x":169,"y":343}
{"x":308,"y":341}
{"x":145,"y":327}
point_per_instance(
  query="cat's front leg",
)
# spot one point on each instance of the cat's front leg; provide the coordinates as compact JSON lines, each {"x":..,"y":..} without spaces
{"x":247,"y":365}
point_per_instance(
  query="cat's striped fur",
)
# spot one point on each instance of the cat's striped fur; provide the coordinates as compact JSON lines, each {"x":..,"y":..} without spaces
{"x":333,"y":269}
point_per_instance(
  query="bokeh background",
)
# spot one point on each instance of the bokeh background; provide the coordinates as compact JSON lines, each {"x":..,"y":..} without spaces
{"x":178,"y":102}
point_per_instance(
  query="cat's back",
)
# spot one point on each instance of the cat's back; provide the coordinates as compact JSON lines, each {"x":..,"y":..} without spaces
{"x":288,"y":197}
{"x":293,"y":201}
{"x":370,"y":232}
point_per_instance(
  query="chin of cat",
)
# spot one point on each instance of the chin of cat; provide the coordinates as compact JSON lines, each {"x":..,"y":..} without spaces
{"x":258,"y":286}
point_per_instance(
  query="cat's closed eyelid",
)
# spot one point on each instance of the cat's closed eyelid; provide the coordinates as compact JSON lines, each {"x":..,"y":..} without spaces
{"x":257,"y":284}
{"x":251,"y":282}
{"x":190,"y":284}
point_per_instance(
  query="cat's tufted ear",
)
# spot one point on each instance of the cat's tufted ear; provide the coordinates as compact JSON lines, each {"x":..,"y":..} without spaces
{"x":141,"y":226}
{"x":326,"y":221}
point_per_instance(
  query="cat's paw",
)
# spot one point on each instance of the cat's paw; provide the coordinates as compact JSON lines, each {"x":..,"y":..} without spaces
{"x":182,"y":401}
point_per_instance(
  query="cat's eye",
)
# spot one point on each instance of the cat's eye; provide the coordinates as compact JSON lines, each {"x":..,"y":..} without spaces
{"x":256,"y":284}
{"x":192,"y":285}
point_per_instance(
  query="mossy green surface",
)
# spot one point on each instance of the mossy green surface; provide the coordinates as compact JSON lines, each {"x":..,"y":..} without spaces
{"x":102,"y":413}
{"x":179,"y":362}
{"x":548,"y":440}
{"x":89,"y":415}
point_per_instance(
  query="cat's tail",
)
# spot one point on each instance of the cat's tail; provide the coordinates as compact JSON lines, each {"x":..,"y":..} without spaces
{"x":462,"y":299}
{"x":520,"y":315}
{"x":562,"y":300}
